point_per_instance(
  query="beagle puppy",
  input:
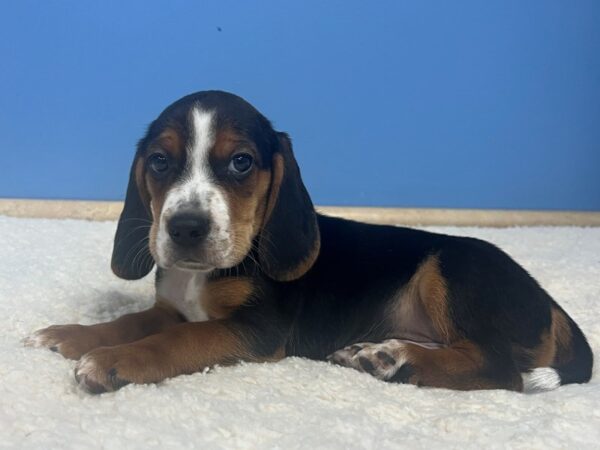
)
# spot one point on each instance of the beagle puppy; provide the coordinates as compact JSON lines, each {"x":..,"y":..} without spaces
{"x":248,"y":271}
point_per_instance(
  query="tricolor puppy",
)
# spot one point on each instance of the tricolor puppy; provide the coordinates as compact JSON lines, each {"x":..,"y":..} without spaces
{"x":248,"y":271}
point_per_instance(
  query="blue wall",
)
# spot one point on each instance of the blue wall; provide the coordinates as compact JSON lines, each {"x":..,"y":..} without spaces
{"x":492,"y":104}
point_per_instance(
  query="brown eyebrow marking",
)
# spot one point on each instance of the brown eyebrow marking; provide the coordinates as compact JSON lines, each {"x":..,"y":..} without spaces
{"x":227,"y":140}
{"x":171,"y":141}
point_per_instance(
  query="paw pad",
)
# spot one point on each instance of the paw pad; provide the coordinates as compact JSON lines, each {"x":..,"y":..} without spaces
{"x":383,"y":360}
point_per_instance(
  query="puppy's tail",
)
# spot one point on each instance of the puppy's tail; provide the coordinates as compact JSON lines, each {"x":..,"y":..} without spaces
{"x":572,"y":362}
{"x":541,"y":379}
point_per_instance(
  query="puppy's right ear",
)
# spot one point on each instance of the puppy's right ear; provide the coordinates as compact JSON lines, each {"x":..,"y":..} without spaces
{"x":131,"y":258}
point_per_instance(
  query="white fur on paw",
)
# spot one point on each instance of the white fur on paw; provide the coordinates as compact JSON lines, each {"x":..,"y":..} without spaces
{"x":381,"y":359}
{"x":346,"y":353}
{"x":85,"y":366}
{"x":37,"y":339}
{"x":88,"y":374}
{"x":41,"y":339}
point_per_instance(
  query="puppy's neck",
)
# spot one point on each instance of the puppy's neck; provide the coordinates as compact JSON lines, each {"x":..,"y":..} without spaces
{"x":182,"y":289}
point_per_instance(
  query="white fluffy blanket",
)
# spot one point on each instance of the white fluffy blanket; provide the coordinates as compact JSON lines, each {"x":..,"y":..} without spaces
{"x":55,"y":271}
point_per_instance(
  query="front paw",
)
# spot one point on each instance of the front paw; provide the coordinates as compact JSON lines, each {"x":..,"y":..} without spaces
{"x":107,"y":369}
{"x":71,"y":341}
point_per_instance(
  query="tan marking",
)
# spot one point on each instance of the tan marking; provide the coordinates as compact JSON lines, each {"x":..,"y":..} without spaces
{"x":227,"y":141}
{"x":554,"y":347}
{"x":222,"y":296}
{"x":153,"y":192}
{"x":561,"y":331}
{"x":247,"y":212}
{"x":305,"y":264}
{"x":156,"y":192}
{"x":421,"y":311}
{"x":72,"y":341}
{"x":277,"y":178}
{"x":140,"y":181}
{"x":157,"y":202}
{"x":545,"y":352}
{"x":278,"y":173}
{"x":278,"y":355}
{"x":182,"y":349}
{"x":433,"y":293}
{"x":458,"y":366}
{"x":170,"y":141}
{"x":246,"y":199}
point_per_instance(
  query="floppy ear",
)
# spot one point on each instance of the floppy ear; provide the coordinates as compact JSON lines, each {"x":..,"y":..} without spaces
{"x":131,"y":259}
{"x":289,"y":241}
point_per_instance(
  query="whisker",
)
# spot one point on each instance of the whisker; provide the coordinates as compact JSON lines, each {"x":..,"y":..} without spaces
{"x":141,"y":244}
{"x":139,"y":252}
{"x":130,"y":232}
{"x":139,"y":219}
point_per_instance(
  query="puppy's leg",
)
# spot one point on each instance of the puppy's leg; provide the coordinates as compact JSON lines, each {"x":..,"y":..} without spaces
{"x":461,"y":361}
{"x":74,"y":340}
{"x":182,"y":349}
{"x":462,"y":365}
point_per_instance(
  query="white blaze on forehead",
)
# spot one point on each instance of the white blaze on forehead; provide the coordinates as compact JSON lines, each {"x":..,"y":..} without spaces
{"x":197,"y":189}
{"x":202,"y":140}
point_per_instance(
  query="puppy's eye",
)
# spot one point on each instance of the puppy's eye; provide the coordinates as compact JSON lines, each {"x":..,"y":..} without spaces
{"x":240,"y":163}
{"x":158,"y":164}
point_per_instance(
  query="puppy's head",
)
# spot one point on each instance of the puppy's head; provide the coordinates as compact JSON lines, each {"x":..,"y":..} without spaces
{"x":210,"y":180}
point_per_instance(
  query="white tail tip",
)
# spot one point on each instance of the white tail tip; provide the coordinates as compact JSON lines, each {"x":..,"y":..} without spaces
{"x":540,"y":379}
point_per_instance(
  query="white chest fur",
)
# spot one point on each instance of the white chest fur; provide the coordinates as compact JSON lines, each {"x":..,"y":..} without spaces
{"x":182,"y":289}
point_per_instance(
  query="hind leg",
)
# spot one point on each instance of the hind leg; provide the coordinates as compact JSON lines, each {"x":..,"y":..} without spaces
{"x":462,"y":365}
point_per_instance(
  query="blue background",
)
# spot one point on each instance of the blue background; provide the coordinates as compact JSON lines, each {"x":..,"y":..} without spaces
{"x":491,"y":104}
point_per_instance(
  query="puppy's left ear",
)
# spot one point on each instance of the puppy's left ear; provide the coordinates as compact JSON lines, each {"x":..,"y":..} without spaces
{"x":289,"y":242}
{"x":131,"y":259}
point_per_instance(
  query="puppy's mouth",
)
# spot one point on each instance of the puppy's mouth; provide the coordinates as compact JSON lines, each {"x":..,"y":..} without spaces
{"x":193,"y":265}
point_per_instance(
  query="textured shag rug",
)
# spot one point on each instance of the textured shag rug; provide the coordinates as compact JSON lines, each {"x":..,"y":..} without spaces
{"x":57,"y":271}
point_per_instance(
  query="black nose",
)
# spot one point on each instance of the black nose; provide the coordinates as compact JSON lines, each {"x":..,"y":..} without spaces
{"x":188,"y":229}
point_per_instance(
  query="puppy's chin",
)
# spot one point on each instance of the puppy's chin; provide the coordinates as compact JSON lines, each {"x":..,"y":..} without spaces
{"x":202,"y":261}
{"x":193,"y":266}
{"x":186,"y":264}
